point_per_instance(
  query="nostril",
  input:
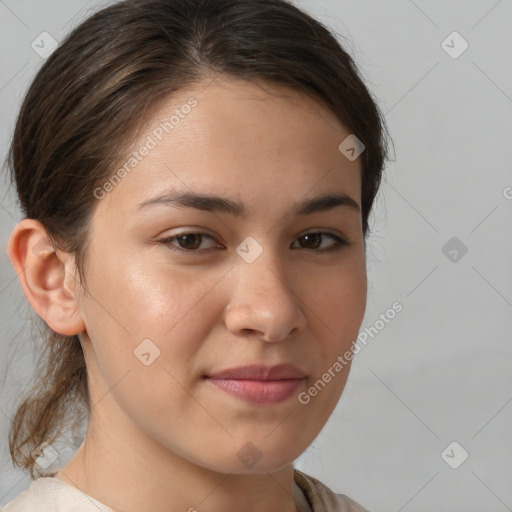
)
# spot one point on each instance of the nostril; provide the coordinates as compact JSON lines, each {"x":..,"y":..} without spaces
{"x":250,"y":332}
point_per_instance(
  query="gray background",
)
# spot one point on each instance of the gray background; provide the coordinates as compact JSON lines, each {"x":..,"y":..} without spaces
{"x":441,"y":370}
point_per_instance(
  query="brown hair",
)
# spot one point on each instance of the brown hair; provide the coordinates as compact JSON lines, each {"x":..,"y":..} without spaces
{"x":82,"y":110}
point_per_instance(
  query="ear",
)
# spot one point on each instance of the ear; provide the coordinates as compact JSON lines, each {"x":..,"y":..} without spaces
{"x":48,"y":277}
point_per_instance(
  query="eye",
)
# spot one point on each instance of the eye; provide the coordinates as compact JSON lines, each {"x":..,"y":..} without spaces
{"x":186,"y":242}
{"x":193,"y":242}
{"x":314,"y":241}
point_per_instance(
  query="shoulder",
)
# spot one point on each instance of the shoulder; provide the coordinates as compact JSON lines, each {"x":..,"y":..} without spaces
{"x":47,"y":494}
{"x":322,"y":498}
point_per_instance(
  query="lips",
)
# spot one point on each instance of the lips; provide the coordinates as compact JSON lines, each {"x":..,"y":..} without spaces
{"x":259,"y":384}
{"x":261,"y":372}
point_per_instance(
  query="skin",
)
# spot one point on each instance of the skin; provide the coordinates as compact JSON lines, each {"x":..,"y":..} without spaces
{"x":170,"y":438}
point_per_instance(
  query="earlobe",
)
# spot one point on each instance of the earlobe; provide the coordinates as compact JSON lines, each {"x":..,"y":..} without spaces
{"x":48,"y":277}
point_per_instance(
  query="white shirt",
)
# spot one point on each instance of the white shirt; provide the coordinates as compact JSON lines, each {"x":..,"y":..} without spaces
{"x":48,"y":494}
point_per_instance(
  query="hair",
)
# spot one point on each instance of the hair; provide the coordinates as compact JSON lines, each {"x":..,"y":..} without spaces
{"x":81,"y":112}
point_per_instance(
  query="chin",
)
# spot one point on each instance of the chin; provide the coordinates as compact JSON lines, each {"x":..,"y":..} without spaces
{"x":249,"y":460}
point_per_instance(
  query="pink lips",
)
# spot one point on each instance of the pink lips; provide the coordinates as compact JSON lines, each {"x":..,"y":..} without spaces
{"x":258,"y":383}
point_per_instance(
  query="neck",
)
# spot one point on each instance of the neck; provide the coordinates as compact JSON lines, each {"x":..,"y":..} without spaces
{"x":130,"y":477}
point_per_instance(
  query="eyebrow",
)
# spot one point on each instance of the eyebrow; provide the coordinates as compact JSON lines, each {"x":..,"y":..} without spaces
{"x":217,"y":204}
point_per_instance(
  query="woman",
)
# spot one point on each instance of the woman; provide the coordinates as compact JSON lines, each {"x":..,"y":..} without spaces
{"x":196,"y":178}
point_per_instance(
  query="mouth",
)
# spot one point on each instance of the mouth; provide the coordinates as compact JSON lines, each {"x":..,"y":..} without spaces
{"x":259,"y":384}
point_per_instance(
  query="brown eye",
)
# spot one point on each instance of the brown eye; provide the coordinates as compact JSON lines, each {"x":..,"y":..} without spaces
{"x":314,"y":241}
{"x":187,"y":242}
{"x":191,"y":242}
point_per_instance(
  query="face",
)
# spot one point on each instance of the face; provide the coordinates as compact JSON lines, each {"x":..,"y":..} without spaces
{"x":181,"y":291}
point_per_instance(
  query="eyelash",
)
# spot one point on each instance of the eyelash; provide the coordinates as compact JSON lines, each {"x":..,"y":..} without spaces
{"x":339,"y":245}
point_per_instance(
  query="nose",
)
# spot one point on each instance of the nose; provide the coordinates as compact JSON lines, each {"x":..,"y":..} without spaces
{"x":263,"y":304}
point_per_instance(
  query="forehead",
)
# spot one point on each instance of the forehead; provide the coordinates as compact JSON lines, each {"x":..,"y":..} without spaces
{"x":224,"y":136}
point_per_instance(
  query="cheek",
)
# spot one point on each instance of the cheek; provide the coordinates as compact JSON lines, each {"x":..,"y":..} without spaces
{"x":147,"y":297}
{"x":337,"y":300}
{"x":338,"y":313}
{"x":155,"y":312}
{"x":147,"y":326}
